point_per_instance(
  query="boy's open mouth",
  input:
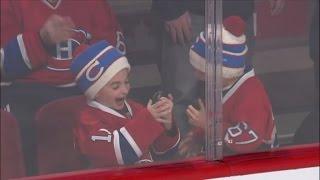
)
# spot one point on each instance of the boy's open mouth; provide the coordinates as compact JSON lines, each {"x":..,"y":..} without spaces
{"x":120,"y":100}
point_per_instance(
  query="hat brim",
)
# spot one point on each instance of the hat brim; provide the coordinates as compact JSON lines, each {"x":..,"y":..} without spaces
{"x":113,"y":69}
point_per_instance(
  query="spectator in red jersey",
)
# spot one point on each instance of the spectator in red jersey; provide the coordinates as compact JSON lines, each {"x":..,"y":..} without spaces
{"x":38,"y":39}
{"x":248,"y":123}
{"x":183,"y":20}
{"x":111,"y":130}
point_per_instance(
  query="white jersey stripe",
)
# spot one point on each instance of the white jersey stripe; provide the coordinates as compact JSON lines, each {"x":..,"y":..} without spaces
{"x":100,"y":106}
{"x":131,"y":141}
{"x":2,"y":61}
{"x":163,"y":152}
{"x":23,"y":51}
{"x":55,"y":69}
{"x":116,"y":145}
{"x":237,"y":85}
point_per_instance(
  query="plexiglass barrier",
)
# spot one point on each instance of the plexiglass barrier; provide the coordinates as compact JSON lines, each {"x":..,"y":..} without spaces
{"x":112,"y":84}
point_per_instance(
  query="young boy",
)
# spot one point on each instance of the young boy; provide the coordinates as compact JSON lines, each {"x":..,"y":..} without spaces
{"x":248,"y":123}
{"x":112,"y":130}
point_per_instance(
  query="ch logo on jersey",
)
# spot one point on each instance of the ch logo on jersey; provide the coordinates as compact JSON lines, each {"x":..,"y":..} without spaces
{"x":236,"y":133}
{"x":107,"y":137}
{"x":63,"y":50}
{"x":94,"y":71}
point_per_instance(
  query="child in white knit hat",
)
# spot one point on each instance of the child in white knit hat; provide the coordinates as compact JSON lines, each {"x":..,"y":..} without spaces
{"x":248,"y":122}
{"x":112,"y":130}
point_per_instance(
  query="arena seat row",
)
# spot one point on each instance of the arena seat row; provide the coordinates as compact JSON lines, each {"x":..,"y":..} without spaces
{"x":55,"y":143}
{"x":55,"y":147}
{"x":12,"y":163}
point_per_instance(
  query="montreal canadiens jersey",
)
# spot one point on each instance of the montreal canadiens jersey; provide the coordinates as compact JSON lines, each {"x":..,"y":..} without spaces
{"x":107,"y":138}
{"x":23,"y":56}
{"x":248,"y":120}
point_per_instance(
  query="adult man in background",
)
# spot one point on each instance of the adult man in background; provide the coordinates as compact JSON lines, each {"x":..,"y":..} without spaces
{"x":38,"y":42}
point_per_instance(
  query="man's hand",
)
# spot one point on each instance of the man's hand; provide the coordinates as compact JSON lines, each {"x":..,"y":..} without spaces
{"x":276,"y":6}
{"x":180,"y":29}
{"x":197,"y":117}
{"x":56,"y":29}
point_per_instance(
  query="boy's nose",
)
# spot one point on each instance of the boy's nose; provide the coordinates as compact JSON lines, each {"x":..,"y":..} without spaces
{"x":124,"y":90}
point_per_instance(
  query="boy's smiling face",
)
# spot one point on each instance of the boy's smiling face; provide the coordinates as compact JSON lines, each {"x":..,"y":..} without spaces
{"x":114,"y":93}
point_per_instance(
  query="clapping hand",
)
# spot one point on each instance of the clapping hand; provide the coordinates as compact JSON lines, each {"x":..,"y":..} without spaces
{"x":162,"y":110}
{"x":197,"y":117}
{"x":57,"y":29}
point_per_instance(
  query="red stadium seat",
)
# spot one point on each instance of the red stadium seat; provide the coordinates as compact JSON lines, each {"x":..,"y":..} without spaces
{"x":54,"y":124}
{"x":12,"y":163}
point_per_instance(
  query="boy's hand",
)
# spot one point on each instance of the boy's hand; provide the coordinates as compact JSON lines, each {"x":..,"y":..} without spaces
{"x":162,"y":110}
{"x":197,"y":117}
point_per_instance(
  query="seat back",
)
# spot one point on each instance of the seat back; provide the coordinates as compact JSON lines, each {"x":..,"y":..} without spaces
{"x":12,"y":163}
{"x":55,"y":139}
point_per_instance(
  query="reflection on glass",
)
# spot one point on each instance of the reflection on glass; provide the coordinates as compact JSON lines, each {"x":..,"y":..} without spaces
{"x":282,"y":61}
{"x":98,"y":114}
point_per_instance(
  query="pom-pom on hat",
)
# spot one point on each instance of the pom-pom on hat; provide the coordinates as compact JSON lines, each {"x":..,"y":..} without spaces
{"x":96,"y":66}
{"x":234,"y":48}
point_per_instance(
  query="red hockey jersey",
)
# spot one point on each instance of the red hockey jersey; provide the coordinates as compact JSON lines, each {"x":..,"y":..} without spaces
{"x":247,"y":116}
{"x":248,"y":122}
{"x":107,"y":138}
{"x":22,"y":52}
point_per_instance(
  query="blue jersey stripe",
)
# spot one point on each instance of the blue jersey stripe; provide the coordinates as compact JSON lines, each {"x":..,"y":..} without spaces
{"x":128,"y":154}
{"x":14,"y":64}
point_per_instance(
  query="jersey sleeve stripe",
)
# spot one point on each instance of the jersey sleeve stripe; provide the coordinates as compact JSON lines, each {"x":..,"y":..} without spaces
{"x":117,"y":150}
{"x":1,"y":60}
{"x":131,"y":141}
{"x":129,"y":156}
{"x":169,"y":148}
{"x":23,"y":51}
{"x":13,"y":64}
